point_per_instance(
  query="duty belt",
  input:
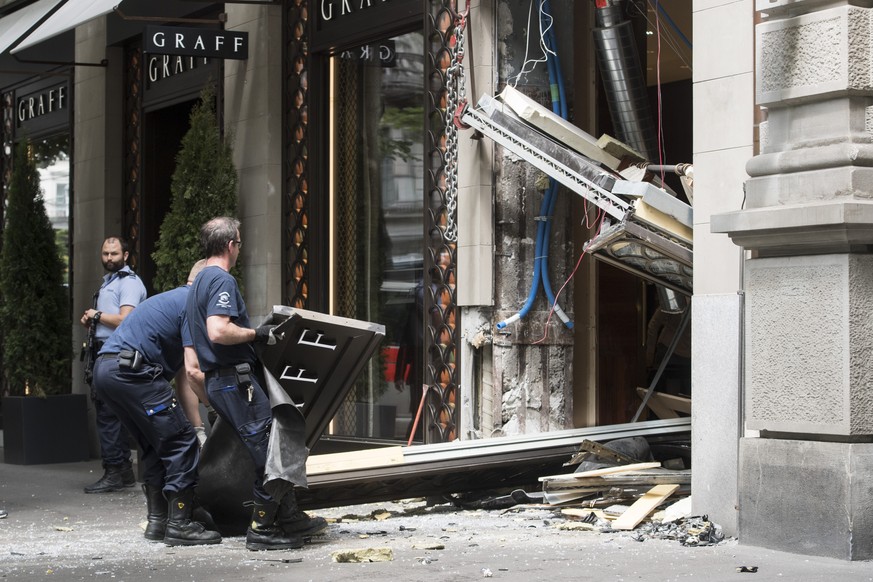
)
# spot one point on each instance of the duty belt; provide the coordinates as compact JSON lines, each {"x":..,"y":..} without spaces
{"x":127,"y":359}
{"x":219,"y":372}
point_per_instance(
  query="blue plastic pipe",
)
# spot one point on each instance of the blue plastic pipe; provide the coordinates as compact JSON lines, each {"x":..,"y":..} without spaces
{"x":547,"y":207}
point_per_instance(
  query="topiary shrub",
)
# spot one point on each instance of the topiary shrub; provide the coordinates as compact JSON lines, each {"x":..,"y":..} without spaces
{"x":204,"y":185}
{"x":34,"y":304}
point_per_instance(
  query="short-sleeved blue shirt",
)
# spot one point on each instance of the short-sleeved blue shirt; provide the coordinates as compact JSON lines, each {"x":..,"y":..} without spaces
{"x":118,"y":290}
{"x":158,"y":329}
{"x":215,"y":292}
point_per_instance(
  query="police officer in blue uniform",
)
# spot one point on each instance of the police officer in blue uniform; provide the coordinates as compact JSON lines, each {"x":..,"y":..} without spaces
{"x":224,"y":341}
{"x":120,"y":292}
{"x":132,"y":375}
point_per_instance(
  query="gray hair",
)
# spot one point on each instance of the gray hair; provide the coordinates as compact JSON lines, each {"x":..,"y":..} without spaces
{"x":215,"y":234}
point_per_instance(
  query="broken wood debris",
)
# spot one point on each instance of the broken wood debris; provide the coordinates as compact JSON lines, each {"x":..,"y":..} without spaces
{"x":628,"y":481}
{"x":599,"y":472}
{"x":643,"y":506}
{"x":666,"y":405}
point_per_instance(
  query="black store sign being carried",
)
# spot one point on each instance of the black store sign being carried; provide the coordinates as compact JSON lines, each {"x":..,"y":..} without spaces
{"x":42,"y":108}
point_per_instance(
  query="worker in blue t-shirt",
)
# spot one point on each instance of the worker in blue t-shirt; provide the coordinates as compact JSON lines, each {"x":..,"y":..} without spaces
{"x":132,"y":375}
{"x":224,"y":342}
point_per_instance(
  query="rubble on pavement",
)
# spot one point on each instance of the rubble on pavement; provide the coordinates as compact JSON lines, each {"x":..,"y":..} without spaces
{"x":617,"y":487}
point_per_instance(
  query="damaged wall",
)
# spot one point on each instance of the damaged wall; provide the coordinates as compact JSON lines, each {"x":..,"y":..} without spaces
{"x":532,"y":359}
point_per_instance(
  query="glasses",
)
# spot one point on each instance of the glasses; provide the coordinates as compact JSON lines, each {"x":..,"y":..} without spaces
{"x":238,"y":243}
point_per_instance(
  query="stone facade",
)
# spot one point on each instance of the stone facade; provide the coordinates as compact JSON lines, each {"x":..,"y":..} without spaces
{"x":808,"y":285}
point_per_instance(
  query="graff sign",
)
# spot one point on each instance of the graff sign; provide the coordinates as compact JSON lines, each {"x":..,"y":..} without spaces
{"x":165,"y":66}
{"x":35,"y":105}
{"x":318,"y":360}
{"x":196,"y":42}
{"x":385,"y":53}
{"x":346,"y":23}
{"x":331,"y":9}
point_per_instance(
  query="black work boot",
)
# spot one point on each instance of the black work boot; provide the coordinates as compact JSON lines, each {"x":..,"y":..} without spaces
{"x":264,"y":534}
{"x":156,"y":510}
{"x":115,"y":478}
{"x":127,"y":475}
{"x":181,"y":530}
{"x":297,"y":523}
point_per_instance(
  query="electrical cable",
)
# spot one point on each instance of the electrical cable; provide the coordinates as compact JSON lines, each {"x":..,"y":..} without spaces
{"x":559,"y":107}
{"x":599,"y":222}
{"x":668,"y":35}
{"x":670,"y":21}
{"x":547,"y":206}
{"x":525,"y":61}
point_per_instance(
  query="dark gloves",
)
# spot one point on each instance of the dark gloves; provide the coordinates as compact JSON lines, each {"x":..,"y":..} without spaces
{"x":264,"y":335}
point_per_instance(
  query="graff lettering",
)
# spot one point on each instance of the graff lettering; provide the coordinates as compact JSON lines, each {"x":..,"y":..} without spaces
{"x":307,"y":339}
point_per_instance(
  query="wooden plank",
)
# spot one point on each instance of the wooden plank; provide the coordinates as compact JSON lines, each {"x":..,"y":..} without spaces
{"x":626,"y":480}
{"x":603,"y":471}
{"x":666,"y":405}
{"x":656,"y":406}
{"x":643,"y":506}
{"x":383,"y":456}
{"x":677,"y":403}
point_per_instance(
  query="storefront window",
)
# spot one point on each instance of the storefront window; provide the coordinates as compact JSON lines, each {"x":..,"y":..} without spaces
{"x":377,"y":190}
{"x":52,"y":155}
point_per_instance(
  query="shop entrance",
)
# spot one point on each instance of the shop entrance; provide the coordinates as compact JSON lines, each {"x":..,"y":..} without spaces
{"x":162,"y":137}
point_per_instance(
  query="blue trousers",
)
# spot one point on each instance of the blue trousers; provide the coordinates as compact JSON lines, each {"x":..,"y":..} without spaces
{"x":250,"y":418}
{"x":145,"y":403}
{"x":114,"y":448}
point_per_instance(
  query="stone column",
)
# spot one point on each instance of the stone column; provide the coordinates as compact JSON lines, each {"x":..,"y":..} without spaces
{"x":253,"y":115}
{"x":98,"y":99}
{"x":806,"y":462}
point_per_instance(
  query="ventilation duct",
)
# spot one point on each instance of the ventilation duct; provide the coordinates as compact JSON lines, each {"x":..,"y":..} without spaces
{"x":623,"y":79}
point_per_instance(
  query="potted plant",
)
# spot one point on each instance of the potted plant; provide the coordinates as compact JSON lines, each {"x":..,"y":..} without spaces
{"x":43,"y":422}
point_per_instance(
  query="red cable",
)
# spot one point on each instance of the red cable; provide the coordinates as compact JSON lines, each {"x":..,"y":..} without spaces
{"x":597,"y":220}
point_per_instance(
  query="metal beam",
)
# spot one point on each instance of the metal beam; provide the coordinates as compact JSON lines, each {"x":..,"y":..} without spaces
{"x":463,"y":466}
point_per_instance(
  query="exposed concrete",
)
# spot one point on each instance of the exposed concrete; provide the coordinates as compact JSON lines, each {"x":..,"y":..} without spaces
{"x":807,"y":497}
{"x":715,"y":419}
{"x":532,"y":358}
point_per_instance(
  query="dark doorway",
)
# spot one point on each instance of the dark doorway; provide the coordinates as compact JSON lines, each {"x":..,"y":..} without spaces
{"x":162,"y":137}
{"x":620,"y":333}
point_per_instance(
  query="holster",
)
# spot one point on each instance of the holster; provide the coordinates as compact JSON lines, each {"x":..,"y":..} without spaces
{"x":243,"y":375}
{"x":130,"y":359}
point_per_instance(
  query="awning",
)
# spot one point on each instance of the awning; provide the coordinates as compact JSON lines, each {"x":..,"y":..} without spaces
{"x":24,"y":21}
{"x":73,"y":13}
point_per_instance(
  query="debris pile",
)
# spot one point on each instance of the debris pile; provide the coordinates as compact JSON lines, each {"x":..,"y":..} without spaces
{"x":618,"y":486}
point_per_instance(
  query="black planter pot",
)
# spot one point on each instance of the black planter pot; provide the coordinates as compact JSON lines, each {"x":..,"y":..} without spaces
{"x":38,"y":431}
